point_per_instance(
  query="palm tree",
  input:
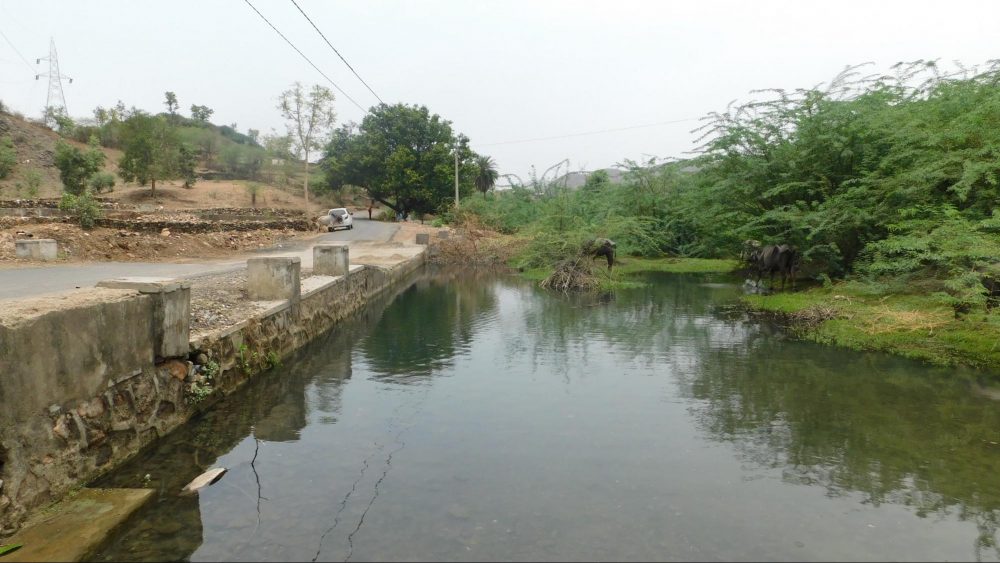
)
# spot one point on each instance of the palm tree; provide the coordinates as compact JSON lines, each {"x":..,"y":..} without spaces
{"x":486,"y":173}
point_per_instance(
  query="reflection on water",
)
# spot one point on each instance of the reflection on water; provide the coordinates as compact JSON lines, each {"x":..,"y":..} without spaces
{"x":474,"y":417}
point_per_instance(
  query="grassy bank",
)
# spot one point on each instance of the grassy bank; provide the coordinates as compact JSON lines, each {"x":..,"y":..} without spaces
{"x":622,"y":275}
{"x":630,"y":265}
{"x":846,"y":314}
{"x":915,"y":326}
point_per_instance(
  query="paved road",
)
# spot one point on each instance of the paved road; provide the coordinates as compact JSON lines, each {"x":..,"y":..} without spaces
{"x":23,"y":282}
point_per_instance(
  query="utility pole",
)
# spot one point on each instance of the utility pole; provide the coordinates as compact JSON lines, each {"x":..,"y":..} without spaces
{"x":56,"y":99}
{"x":456,"y":177}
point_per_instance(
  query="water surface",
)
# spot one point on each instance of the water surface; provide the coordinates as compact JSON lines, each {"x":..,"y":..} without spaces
{"x":475,"y":417}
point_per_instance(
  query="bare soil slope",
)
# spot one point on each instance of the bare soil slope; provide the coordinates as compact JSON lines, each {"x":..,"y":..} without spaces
{"x":35,"y":145}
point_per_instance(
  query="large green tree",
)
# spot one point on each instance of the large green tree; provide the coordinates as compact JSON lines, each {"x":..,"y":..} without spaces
{"x":403,"y":156}
{"x":153,"y":151}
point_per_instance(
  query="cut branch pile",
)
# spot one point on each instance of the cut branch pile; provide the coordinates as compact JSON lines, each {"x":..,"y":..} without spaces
{"x":573,"y":274}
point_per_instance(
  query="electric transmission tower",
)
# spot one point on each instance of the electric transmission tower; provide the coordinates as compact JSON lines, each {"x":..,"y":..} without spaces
{"x":55,"y":102}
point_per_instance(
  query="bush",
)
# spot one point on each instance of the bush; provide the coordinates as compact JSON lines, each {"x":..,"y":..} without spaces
{"x":101,"y":182}
{"x":76,"y":167}
{"x":29,"y":186}
{"x":84,"y":208}
{"x":253,"y":190}
{"x":8,"y":157}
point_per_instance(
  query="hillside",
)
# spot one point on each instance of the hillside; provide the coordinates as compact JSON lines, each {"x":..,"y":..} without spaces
{"x":35,"y":147}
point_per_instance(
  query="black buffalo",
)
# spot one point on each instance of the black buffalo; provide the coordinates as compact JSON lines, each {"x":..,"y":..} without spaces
{"x":750,"y":252}
{"x":600,"y":247}
{"x":991,"y":283}
{"x":782,"y":259}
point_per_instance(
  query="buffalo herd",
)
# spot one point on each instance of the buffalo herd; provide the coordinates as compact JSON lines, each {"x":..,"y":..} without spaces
{"x":782,"y":259}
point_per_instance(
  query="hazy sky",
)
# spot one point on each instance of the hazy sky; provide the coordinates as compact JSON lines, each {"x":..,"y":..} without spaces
{"x":499,"y":70}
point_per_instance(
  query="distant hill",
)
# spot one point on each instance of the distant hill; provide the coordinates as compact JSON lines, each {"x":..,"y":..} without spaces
{"x":577,"y":179}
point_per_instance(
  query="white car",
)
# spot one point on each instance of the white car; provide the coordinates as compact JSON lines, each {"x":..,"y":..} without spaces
{"x":339,"y":218}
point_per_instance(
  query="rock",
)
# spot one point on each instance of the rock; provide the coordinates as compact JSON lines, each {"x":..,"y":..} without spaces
{"x":91,"y":409}
{"x":165,"y":232}
{"x":177,"y":369}
{"x":54,"y":409}
{"x":190,"y":369}
{"x":95,"y":437}
{"x":61,"y":427}
{"x":204,"y":480}
{"x":201,"y":359}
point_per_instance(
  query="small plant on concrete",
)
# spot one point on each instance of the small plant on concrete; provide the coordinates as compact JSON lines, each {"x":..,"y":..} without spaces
{"x":198,"y":391}
{"x":244,"y":356}
{"x":204,"y":384}
{"x":210,"y":369}
{"x":272,"y":360}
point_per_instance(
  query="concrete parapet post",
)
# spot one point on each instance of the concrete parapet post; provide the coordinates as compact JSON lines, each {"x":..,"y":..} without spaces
{"x":423,"y":238}
{"x":274,"y":278}
{"x":171,"y":311}
{"x":331,"y":260}
{"x":36,"y":249}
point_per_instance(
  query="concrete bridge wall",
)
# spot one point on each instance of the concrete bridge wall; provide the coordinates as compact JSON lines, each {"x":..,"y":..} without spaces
{"x":86,"y":381}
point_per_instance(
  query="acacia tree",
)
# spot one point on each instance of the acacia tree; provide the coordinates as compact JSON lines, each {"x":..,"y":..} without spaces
{"x":403,"y":156}
{"x":310,"y":117}
{"x":486,"y":173}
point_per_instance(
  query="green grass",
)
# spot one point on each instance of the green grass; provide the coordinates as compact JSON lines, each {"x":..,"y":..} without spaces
{"x":633,"y":265}
{"x":629,"y":266}
{"x":914,"y":326}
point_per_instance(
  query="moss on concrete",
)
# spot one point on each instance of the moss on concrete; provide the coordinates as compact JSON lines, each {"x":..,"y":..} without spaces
{"x":78,"y":526}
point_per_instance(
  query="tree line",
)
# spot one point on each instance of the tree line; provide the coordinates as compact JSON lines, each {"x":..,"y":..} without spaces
{"x":894,"y":178}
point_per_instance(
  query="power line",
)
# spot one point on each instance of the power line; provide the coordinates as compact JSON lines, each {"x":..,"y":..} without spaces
{"x":24,"y":60}
{"x":589,"y":132}
{"x":305,"y":57}
{"x":336,"y":51}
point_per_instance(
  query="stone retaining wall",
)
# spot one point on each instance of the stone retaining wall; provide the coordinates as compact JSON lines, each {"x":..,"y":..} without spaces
{"x":157,"y":225}
{"x":83,"y":392}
